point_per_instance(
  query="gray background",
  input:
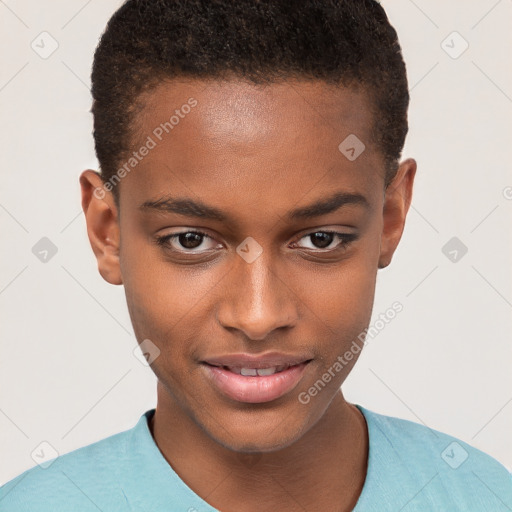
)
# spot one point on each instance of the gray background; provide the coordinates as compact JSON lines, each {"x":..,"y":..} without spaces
{"x":68,"y":374}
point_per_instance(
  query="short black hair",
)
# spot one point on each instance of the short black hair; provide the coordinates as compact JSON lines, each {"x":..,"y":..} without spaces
{"x":341,"y":42}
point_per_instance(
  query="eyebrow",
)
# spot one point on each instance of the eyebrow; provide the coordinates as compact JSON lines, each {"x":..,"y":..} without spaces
{"x":198,"y":209}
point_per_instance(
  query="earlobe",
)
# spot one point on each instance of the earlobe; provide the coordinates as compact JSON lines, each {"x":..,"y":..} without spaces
{"x":397,"y":200}
{"x":102,"y":225}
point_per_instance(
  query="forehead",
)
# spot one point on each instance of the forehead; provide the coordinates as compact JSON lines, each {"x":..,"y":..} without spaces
{"x":240,"y":112}
{"x":209,"y":138}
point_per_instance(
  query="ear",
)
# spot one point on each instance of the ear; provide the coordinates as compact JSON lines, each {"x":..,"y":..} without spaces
{"x":101,"y":216}
{"x":397,"y":200}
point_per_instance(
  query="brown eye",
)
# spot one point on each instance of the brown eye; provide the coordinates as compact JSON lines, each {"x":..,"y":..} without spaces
{"x":186,"y":241}
{"x":323,"y":240}
{"x":190,"y":240}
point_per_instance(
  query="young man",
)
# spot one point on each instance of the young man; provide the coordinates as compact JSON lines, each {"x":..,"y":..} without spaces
{"x":250,"y":190}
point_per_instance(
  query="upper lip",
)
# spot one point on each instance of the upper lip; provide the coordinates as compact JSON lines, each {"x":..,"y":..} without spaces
{"x":266,"y":360}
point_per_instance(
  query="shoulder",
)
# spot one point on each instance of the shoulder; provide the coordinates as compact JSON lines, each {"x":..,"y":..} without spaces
{"x":448,"y":466}
{"x":432,"y":445}
{"x":83,"y":479}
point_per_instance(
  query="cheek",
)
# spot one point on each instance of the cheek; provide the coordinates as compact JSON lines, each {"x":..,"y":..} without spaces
{"x":155,"y":315}
{"x":342,"y":302}
{"x":160,"y":295}
{"x":342,"y":295}
{"x":167,"y":306}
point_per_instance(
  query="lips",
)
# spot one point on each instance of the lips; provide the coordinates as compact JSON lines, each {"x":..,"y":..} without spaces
{"x":255,"y":379}
{"x":268,"y":360}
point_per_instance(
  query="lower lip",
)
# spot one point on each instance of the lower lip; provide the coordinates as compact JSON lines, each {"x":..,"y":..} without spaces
{"x":258,"y":389}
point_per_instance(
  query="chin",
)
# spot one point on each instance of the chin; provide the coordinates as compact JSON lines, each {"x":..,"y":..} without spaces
{"x":264,"y":435}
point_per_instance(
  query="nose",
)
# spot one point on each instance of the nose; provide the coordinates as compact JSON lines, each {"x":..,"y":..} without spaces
{"x":257,"y":298}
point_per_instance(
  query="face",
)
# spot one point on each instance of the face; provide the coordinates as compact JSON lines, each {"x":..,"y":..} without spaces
{"x":246,"y":238}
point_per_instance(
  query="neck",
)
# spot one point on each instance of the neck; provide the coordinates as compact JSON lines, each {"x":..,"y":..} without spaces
{"x":324,"y":470}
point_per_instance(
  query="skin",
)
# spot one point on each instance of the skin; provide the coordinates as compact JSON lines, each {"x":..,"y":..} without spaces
{"x":254,"y":152}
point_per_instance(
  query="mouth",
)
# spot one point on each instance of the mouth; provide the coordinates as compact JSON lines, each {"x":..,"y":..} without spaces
{"x":251,"y":371}
{"x":254,"y":380}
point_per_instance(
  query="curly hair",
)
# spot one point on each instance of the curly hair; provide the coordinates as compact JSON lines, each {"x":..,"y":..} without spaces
{"x":340,"y":42}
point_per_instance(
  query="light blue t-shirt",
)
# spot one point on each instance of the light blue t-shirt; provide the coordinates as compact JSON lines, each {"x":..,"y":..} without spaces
{"x":410,"y":468}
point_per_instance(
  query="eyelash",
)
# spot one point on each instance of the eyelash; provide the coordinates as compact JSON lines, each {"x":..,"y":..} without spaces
{"x":347,"y":239}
